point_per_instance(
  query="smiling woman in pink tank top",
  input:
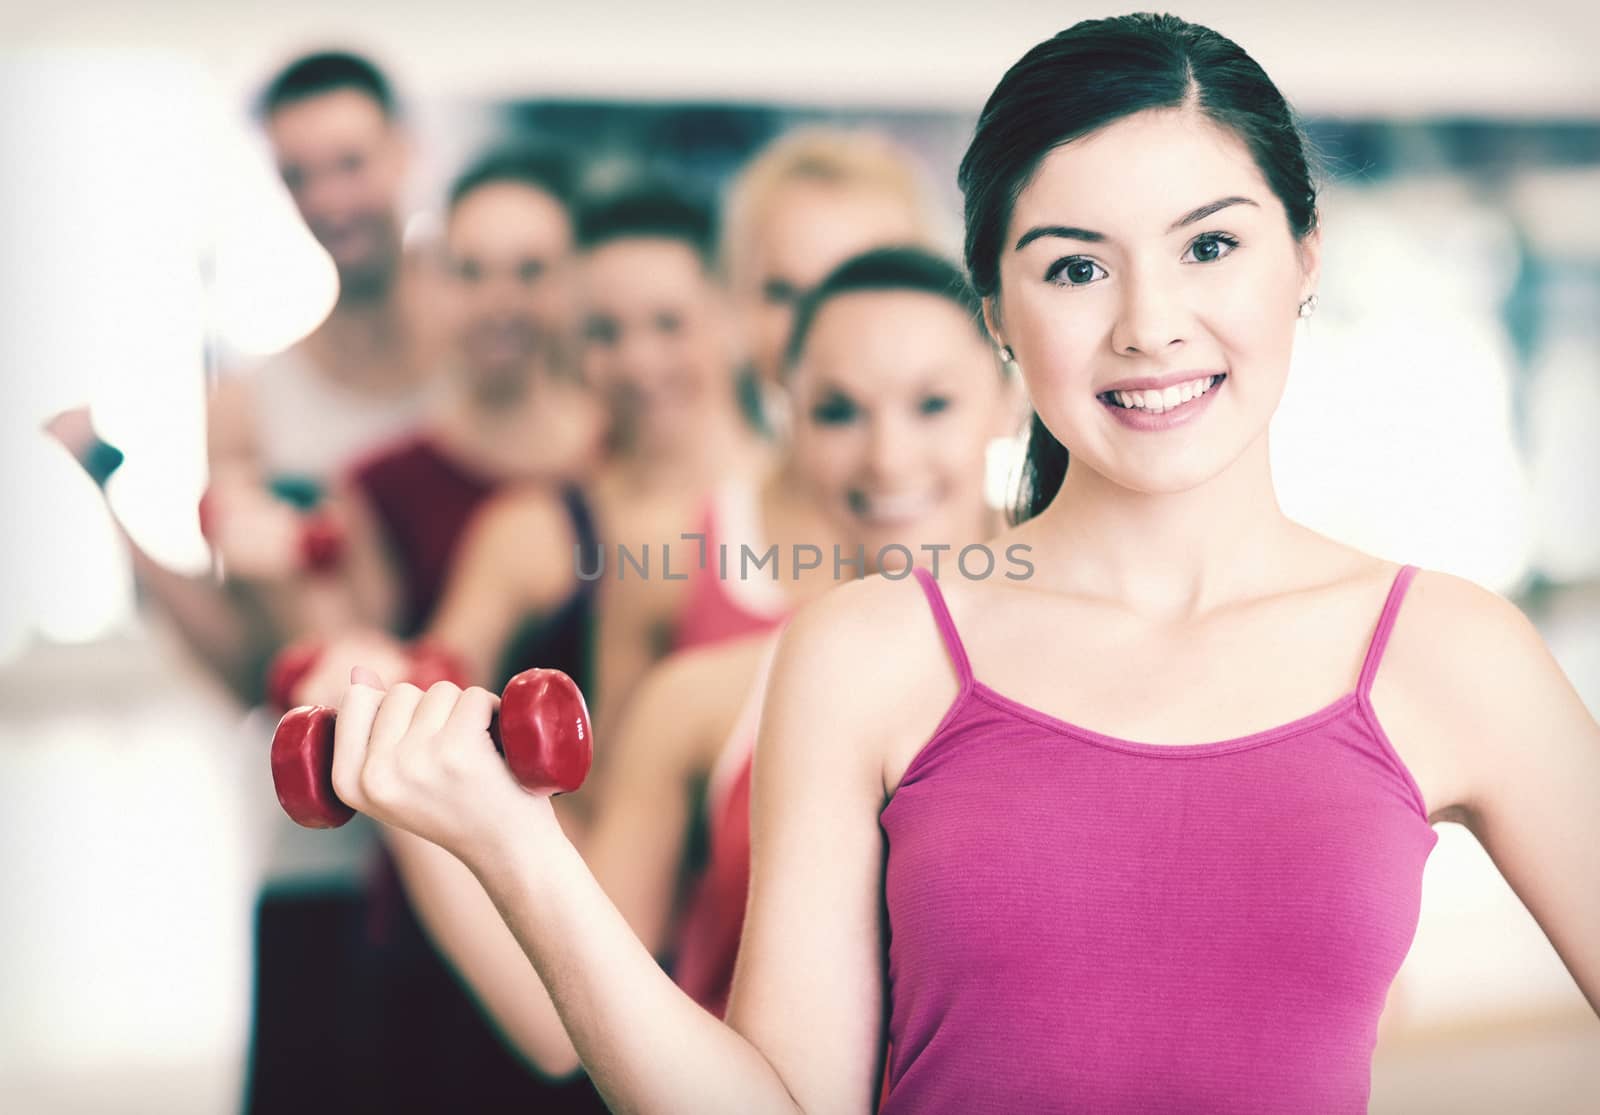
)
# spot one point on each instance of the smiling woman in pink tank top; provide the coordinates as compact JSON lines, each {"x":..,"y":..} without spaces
{"x":1138,"y":827}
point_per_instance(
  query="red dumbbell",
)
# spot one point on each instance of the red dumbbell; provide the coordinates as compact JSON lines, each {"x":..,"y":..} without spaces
{"x":321,"y":542}
{"x":542,"y":729}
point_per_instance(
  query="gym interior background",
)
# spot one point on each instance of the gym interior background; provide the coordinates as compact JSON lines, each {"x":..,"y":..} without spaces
{"x":1442,"y":411}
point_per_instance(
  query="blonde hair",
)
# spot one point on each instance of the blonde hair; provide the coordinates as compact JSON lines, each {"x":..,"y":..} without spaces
{"x":848,"y":158}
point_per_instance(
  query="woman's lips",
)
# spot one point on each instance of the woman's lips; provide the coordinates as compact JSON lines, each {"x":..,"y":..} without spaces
{"x":1137,"y":418}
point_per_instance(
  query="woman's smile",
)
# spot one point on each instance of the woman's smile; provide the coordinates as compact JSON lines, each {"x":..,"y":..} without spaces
{"x":1152,"y":409}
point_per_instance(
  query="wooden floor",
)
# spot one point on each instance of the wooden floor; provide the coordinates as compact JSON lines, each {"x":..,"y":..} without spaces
{"x":1537,"y":1067}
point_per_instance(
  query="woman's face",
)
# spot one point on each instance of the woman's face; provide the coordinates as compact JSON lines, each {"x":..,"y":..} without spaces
{"x":655,"y":334}
{"x":896,"y":399}
{"x":808,"y":230}
{"x":1152,"y":256}
{"x":509,"y":248}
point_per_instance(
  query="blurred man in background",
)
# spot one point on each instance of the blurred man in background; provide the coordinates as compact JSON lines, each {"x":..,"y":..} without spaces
{"x":278,"y":434}
{"x":277,"y":438}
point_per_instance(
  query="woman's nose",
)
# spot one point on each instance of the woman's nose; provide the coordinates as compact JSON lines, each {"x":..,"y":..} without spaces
{"x":1152,"y":316}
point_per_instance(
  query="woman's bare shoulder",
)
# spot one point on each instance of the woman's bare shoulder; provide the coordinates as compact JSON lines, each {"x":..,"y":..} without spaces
{"x":861,"y":668}
{"x":857,"y":626}
{"x":1461,"y":666}
{"x":1448,"y":630}
{"x":1460,"y":620}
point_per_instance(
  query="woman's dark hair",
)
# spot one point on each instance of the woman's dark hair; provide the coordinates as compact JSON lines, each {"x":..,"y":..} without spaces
{"x":1092,"y":74}
{"x":655,"y":210}
{"x":903,"y":268}
{"x":550,"y":170}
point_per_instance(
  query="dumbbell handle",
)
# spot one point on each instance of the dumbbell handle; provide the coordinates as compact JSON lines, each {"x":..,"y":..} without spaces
{"x":542,"y":729}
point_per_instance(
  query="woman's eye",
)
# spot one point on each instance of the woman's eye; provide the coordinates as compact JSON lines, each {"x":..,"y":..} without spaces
{"x":1211,"y":247}
{"x":934,"y":404}
{"x":1073,"y":271}
{"x":1077,"y":271}
{"x":834,"y":411}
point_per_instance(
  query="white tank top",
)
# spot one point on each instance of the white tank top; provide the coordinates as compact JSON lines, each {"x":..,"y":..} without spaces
{"x":309,"y":425}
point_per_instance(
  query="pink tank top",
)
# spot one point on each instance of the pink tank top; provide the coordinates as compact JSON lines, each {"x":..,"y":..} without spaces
{"x":1081,"y":923}
{"x":713,"y":918}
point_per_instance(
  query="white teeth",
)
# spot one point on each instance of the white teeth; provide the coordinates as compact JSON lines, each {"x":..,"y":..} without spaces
{"x":1158,"y":401}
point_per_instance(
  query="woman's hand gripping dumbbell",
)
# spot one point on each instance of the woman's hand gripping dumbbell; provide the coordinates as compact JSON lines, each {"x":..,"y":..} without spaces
{"x":540,"y":725}
{"x":269,"y":533}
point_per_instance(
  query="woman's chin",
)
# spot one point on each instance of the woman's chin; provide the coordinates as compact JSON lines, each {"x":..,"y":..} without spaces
{"x":892,"y":549}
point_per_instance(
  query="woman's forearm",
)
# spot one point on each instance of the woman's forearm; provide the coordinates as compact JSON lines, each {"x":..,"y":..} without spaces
{"x":647,"y":1046}
{"x":467,"y":929}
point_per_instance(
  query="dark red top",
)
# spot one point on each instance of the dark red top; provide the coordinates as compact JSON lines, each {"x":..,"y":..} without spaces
{"x":423,"y":500}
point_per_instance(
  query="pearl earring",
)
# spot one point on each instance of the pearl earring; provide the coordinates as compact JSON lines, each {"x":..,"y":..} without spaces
{"x":1006,"y":355}
{"x":1309,"y":306}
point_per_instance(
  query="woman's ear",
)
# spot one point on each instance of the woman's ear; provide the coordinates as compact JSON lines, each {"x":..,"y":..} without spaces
{"x":991,"y":320}
{"x":1310,"y":251}
{"x":1014,"y":409}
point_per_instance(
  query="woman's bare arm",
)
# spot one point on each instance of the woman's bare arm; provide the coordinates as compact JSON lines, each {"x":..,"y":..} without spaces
{"x":515,"y":560}
{"x":635,"y":851}
{"x":805,"y":1027}
{"x":1527,"y":749}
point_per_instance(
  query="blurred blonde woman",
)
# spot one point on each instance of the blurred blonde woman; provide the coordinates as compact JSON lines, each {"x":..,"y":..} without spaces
{"x":810,"y":200}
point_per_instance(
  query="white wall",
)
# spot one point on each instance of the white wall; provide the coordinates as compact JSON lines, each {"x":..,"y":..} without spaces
{"x":1356,"y":56}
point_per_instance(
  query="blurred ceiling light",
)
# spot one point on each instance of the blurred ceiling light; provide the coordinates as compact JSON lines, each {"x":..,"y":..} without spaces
{"x":112,"y":168}
{"x":271,"y":283}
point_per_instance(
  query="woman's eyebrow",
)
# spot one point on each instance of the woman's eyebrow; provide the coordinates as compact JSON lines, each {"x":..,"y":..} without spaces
{"x":1068,"y":232}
